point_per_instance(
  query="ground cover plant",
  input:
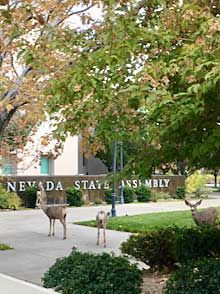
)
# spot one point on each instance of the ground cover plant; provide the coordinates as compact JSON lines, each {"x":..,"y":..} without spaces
{"x":83,"y":273}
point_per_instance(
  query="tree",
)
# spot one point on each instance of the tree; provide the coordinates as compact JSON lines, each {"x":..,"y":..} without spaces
{"x":149,"y":70}
{"x":36,"y":44}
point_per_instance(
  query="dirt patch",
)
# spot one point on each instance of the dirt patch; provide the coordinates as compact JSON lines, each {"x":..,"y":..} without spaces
{"x":154,"y":283}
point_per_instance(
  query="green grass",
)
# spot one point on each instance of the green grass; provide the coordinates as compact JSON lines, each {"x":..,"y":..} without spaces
{"x":5,"y":247}
{"x":149,"y":221}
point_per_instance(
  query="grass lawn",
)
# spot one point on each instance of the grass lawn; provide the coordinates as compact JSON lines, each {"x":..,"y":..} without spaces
{"x":148,"y":221}
{"x":5,"y":247}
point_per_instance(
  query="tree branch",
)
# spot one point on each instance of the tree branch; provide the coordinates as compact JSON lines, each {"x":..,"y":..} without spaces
{"x":72,"y":13}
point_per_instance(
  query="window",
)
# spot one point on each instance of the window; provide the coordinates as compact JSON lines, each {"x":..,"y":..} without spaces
{"x":44,"y":165}
{"x":7,"y":169}
{"x":8,"y":166}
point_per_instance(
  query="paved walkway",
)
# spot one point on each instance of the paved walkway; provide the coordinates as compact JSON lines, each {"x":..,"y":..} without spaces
{"x":34,"y":252}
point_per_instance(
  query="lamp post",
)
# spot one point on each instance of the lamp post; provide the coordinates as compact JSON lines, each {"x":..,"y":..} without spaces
{"x":121,"y":169}
{"x":113,"y":211}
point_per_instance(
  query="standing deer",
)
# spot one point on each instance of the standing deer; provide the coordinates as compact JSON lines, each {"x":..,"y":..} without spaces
{"x":205,"y":217}
{"x":101,"y":222}
{"x":53,"y":212}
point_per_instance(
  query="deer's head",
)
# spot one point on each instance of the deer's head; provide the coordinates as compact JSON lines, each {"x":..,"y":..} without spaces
{"x":38,"y":199}
{"x":193,"y":207}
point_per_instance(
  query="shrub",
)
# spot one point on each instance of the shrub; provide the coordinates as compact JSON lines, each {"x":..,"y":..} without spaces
{"x":196,"y":242}
{"x":195,"y":184}
{"x":196,"y":277}
{"x":159,"y":195}
{"x":9,"y":200}
{"x":29,"y":196}
{"x":180,"y":193}
{"x":128,"y":193}
{"x":153,"y":248}
{"x":83,"y":273}
{"x":108,"y":196}
{"x":172,"y":245}
{"x":143,"y":194}
{"x":74,"y":196}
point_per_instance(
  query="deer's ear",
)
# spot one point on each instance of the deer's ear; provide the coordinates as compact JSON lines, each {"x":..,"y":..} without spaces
{"x":187,"y":203}
{"x":199,"y":202}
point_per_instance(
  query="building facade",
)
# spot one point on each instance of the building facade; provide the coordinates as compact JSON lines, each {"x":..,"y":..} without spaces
{"x":42,"y":156}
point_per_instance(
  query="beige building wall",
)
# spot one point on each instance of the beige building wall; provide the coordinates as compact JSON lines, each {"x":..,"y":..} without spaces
{"x":68,"y":162}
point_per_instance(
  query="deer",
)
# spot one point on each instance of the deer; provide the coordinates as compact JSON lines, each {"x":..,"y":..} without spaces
{"x":101,"y":222}
{"x":206,"y":217}
{"x":53,"y":212}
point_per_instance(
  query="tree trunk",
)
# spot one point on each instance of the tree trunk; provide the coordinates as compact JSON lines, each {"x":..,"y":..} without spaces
{"x":5,"y":117}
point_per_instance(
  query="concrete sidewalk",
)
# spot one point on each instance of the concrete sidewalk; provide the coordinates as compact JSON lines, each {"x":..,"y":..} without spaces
{"x":9,"y":285}
{"x":34,"y":252}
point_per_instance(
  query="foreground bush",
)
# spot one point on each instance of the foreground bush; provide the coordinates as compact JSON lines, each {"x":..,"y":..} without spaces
{"x":74,"y":196}
{"x":172,"y":245}
{"x":29,"y":196}
{"x":9,"y":200}
{"x":196,"y":242}
{"x":153,"y":248}
{"x":84,"y":273}
{"x":197,"y":277}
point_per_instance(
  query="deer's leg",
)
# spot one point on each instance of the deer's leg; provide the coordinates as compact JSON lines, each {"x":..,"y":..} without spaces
{"x":53,"y":227}
{"x":50,"y":227}
{"x":63,"y":222}
{"x":104,"y":235}
{"x":98,"y":235}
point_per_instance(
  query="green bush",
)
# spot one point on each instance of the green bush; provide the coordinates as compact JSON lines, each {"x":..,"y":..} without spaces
{"x":172,"y":245}
{"x":74,"y":196}
{"x":180,"y":193}
{"x":196,"y":277}
{"x":84,"y":273}
{"x":128,"y":193}
{"x":29,"y":196}
{"x":108,"y":196}
{"x":9,"y":200}
{"x":196,"y":242}
{"x":143,"y":194}
{"x":153,"y":248}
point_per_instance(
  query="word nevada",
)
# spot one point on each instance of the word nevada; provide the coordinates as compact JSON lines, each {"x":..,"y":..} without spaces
{"x":84,"y":184}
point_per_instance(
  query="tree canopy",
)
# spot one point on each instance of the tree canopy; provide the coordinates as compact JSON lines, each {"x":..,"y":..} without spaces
{"x":148,"y":70}
{"x":35,"y":46}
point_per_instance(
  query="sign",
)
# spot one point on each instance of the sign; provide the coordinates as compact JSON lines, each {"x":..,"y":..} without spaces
{"x":87,"y":184}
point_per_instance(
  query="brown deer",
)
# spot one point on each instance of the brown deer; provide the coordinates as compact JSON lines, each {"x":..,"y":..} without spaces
{"x":52,"y":211}
{"x":205,"y":217}
{"x":101,"y":222}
